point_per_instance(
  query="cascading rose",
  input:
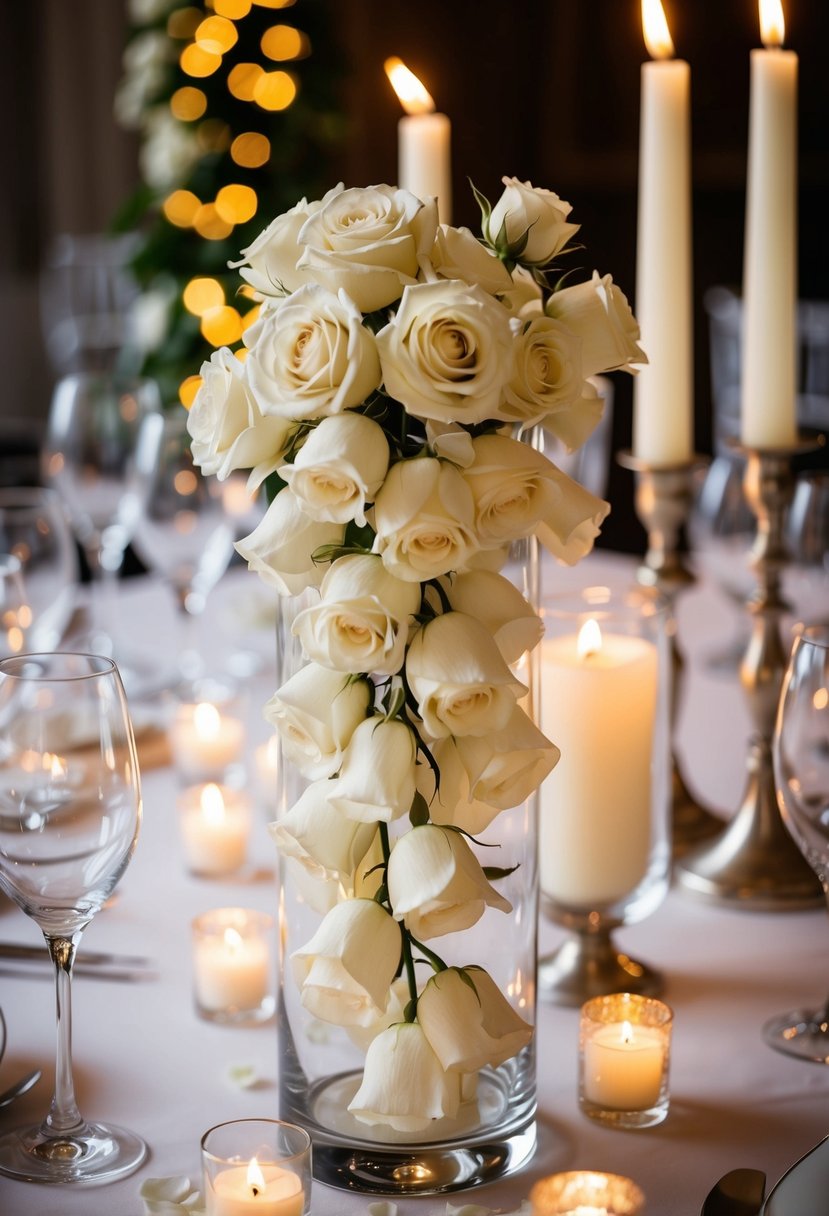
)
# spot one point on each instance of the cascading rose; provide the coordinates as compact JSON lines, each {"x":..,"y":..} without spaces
{"x":320,"y":839}
{"x":316,"y":712}
{"x":339,"y":468}
{"x":424,"y":516}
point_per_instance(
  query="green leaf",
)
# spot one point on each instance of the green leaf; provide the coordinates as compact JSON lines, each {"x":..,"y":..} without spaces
{"x":419,"y":811}
{"x":483,"y":202}
{"x":495,"y":872}
{"x":410,"y":1012}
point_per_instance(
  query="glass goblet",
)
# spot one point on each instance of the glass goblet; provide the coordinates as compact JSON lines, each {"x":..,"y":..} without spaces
{"x":35,"y":530}
{"x":801,"y":767}
{"x":70,"y":809}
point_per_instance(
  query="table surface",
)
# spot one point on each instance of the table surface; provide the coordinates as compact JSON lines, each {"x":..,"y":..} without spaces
{"x":144,"y":1059}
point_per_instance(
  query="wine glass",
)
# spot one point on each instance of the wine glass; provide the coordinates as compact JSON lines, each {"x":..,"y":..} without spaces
{"x":801,"y":769}
{"x":34,"y":529}
{"x":15,"y":614}
{"x":806,"y":575}
{"x":70,"y":808}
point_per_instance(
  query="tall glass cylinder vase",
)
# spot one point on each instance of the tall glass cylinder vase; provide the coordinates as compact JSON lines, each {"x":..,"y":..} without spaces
{"x":321,"y":1065}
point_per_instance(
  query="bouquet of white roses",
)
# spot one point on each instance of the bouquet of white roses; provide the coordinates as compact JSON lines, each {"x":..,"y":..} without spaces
{"x":384,"y":388}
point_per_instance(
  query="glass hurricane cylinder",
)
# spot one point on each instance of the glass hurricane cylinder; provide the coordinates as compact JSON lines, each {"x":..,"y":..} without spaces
{"x":321,"y":1065}
{"x":605,"y":850}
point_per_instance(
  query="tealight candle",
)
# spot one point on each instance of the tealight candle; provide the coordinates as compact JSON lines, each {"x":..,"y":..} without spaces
{"x":206,"y":741}
{"x":624,"y":1052}
{"x":215,"y":825}
{"x":232,"y":965}
{"x":256,"y":1167}
{"x":586,"y":1193}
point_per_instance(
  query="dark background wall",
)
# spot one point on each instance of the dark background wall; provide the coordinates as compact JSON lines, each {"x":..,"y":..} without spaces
{"x":546,"y":90}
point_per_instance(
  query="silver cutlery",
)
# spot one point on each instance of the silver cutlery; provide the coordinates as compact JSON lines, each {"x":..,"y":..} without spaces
{"x":20,"y":1087}
{"x":17,"y":950}
{"x":738,"y":1193}
{"x":92,"y":971}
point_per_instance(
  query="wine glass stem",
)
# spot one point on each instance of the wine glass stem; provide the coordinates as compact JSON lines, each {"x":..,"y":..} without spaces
{"x":104,"y":568}
{"x":64,"y":1115}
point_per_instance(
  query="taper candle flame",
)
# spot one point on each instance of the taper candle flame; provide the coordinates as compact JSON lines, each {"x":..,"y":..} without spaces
{"x":655,"y":29}
{"x":772,"y":23}
{"x":414,"y":97}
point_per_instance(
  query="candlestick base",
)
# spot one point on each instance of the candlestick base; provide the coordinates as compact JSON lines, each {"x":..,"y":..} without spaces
{"x":692,"y":822}
{"x":587,"y":965}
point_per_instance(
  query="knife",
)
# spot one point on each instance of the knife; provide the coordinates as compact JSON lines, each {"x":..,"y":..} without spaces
{"x":738,"y":1193}
{"x":93,"y":972}
{"x":38,"y":954}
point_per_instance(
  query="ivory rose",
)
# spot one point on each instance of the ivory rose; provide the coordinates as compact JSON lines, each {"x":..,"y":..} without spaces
{"x":424,"y":519}
{"x":312,"y":356}
{"x":528,"y":224}
{"x":339,"y":468}
{"x":371,"y":243}
{"x":468,"y":1021}
{"x":362,"y":1036}
{"x":270,"y":263}
{"x":377,"y":777}
{"x":573,"y":424}
{"x":404,"y":1085}
{"x":226,"y":426}
{"x":459,"y":679}
{"x":506,"y":768}
{"x":600,"y":315}
{"x":281,"y":546}
{"x":547,"y":373}
{"x":446,"y":354}
{"x":450,"y":801}
{"x":362,"y":620}
{"x":514,"y":624}
{"x":345,"y":971}
{"x":321,"y":839}
{"x":458,"y":254}
{"x":316,"y":712}
{"x":436,"y":884}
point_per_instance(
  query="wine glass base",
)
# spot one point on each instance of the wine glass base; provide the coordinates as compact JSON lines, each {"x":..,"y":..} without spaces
{"x":801,"y":1033}
{"x":94,"y":1155}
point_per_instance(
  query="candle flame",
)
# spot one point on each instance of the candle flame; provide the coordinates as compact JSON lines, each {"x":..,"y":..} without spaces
{"x":234,"y":941}
{"x":772,"y":23}
{"x":627,"y":1032}
{"x":655,"y":29}
{"x":256,"y":1179}
{"x":589,"y":640}
{"x":207,"y":720}
{"x":212,"y":804}
{"x":57,"y":767}
{"x":414,"y":98}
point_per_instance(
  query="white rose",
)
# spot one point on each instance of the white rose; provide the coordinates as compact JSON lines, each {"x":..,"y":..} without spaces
{"x":503,"y":770}
{"x":524,"y":298}
{"x":280,"y":547}
{"x":225,"y":424}
{"x":446,"y":354}
{"x":528,"y":224}
{"x":404,"y":1086}
{"x":518,"y":491}
{"x":316,"y":712}
{"x":371,"y":243}
{"x":514,"y":624}
{"x":312,"y":356}
{"x":436,"y":885}
{"x":377,"y":777}
{"x":345,"y":971}
{"x":339,"y":468}
{"x":459,"y":679}
{"x":270,"y":263}
{"x":424,"y":519}
{"x":362,"y":1036}
{"x":458,"y":254}
{"x":469,"y":1022}
{"x":547,"y":373}
{"x":573,"y":424}
{"x":322,"y":840}
{"x":450,"y":801}
{"x":600,"y":314}
{"x":362,"y":620}
{"x":320,"y":894}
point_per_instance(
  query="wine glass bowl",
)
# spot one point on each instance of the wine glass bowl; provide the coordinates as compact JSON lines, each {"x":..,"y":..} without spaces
{"x":70,"y":810}
{"x":34,"y":529}
{"x":801,"y":768}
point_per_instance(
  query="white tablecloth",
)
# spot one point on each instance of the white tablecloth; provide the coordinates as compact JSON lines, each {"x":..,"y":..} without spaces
{"x":145,"y":1060}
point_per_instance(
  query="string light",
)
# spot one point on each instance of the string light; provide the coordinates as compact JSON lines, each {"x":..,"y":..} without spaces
{"x":187,"y":390}
{"x":184,"y":22}
{"x":201,"y":295}
{"x":188,"y":103}
{"x":242,"y":80}
{"x":274,"y":90}
{"x":234,"y":9}
{"x":209,"y":224}
{"x":217,"y":35}
{"x":237,"y":204}
{"x":221,"y":326}
{"x":196,"y":61}
{"x":282,"y":42}
{"x":251,"y":150}
{"x":180,"y":208}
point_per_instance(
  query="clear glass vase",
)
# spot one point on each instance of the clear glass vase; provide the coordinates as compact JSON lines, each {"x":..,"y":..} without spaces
{"x":321,"y":1065}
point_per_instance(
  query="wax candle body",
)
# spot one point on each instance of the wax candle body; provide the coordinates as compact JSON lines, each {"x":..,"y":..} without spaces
{"x":215,"y":825}
{"x":663,"y":389}
{"x":205,"y":742}
{"x":768,"y":417}
{"x":596,"y":804}
{"x":623,"y":1067}
{"x":231,"y":972}
{"x":424,"y":154}
{"x":231,"y":1193}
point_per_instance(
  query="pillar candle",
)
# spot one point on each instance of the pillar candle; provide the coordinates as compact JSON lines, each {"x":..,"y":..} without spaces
{"x":423,"y":141}
{"x":768,"y":415}
{"x":663,"y":388}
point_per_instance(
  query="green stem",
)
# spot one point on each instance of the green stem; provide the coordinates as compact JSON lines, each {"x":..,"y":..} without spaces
{"x":411,"y":978}
{"x":435,"y":959}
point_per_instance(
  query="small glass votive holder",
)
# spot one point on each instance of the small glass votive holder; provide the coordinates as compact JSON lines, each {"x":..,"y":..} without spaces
{"x":207,"y":734}
{"x":214,"y":825}
{"x":586,"y":1193}
{"x":233,"y":966}
{"x":624,"y":1058}
{"x":256,"y":1165}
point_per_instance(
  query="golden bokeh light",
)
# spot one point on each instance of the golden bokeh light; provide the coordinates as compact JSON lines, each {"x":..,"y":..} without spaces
{"x":237,"y":204}
{"x":185,"y":482}
{"x":184,"y":22}
{"x":196,"y":61}
{"x":274,"y":90}
{"x":274,"y":3}
{"x":217,"y":35}
{"x":180,"y":208}
{"x":213,"y":135}
{"x":187,"y":104}
{"x":187,"y":390}
{"x":283,"y":42}
{"x":241,"y":354}
{"x":201,"y":295}
{"x":221,"y":326}
{"x":251,"y":317}
{"x":234,"y":9}
{"x":209,"y":224}
{"x":242,"y":80}
{"x":250,"y":149}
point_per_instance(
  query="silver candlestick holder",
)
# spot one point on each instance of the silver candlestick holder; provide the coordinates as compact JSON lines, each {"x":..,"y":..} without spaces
{"x":664,"y":497}
{"x":754,"y":863}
